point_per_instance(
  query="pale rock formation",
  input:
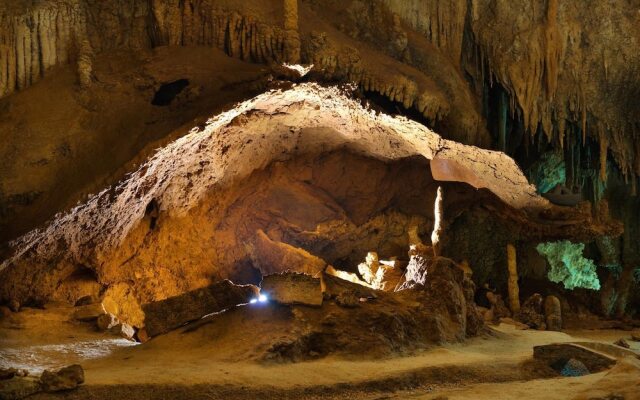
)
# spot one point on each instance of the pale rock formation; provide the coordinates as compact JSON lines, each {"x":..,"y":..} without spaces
{"x":369,"y":268}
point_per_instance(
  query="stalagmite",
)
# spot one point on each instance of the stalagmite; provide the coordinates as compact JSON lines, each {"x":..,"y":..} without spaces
{"x":514,"y":291}
{"x":438,"y":222}
{"x":553,"y":313}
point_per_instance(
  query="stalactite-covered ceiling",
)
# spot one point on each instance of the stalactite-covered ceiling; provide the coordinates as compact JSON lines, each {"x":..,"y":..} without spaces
{"x":526,"y":77}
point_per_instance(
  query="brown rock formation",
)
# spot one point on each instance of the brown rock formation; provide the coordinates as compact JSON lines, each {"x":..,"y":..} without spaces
{"x":213,"y":198}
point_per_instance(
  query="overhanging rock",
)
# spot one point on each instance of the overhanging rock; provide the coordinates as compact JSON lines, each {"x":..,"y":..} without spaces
{"x":114,"y":233}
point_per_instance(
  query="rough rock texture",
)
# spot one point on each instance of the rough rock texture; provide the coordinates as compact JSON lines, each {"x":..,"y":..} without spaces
{"x":118,"y":234}
{"x":272,"y":257}
{"x":64,"y":379}
{"x":162,"y":316}
{"x":532,"y":312}
{"x":292,"y":288}
{"x":106,"y":322}
{"x":357,"y":320}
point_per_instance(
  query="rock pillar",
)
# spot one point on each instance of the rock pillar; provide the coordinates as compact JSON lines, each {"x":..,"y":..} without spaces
{"x":292,"y":39}
{"x":514,"y":290}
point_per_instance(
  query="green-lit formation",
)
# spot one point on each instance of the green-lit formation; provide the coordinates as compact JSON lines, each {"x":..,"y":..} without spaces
{"x":548,"y":172}
{"x":569,"y":266}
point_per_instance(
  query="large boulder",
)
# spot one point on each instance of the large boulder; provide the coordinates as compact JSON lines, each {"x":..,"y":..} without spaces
{"x":442,"y":286}
{"x":65,"y":379}
{"x":165,"y":315}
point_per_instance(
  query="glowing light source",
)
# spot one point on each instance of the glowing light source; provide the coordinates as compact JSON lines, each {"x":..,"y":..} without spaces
{"x":263,"y":298}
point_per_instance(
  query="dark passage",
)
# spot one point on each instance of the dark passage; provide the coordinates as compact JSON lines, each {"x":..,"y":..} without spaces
{"x":168,"y":91}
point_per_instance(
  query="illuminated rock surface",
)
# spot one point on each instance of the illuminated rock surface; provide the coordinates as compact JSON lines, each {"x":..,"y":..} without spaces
{"x":290,"y":143}
{"x":179,"y":210}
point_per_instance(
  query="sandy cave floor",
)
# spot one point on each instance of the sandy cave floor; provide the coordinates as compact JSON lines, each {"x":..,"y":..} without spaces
{"x":495,"y":365}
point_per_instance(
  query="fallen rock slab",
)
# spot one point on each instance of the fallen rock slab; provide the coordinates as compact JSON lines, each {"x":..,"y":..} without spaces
{"x":162,"y":316}
{"x":270,"y":256}
{"x":557,"y":355}
{"x":65,"y":379}
{"x":292,"y":288}
{"x":611,"y":350}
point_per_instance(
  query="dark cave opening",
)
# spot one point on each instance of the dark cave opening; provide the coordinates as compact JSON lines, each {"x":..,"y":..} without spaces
{"x":168,"y":92}
{"x":383,"y":104}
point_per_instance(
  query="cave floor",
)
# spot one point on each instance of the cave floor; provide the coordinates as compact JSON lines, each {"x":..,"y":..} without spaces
{"x":496,"y":365}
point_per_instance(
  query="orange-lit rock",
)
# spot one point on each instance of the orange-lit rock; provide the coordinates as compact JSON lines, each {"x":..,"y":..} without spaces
{"x":186,"y":216}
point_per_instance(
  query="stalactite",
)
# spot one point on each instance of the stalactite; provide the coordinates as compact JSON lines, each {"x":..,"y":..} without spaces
{"x":441,"y":21}
{"x":552,"y":48}
{"x":603,"y":157}
{"x":502,"y":120}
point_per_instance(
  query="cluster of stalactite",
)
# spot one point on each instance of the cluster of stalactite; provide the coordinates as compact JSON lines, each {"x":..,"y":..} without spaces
{"x":35,"y":39}
{"x":562,"y":67}
{"x":32,"y":43}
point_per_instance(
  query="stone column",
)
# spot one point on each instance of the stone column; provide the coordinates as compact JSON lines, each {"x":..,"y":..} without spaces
{"x":514,"y":290}
{"x":292,"y":39}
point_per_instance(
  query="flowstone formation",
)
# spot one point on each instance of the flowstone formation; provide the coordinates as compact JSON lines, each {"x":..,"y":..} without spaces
{"x":569,"y":266}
